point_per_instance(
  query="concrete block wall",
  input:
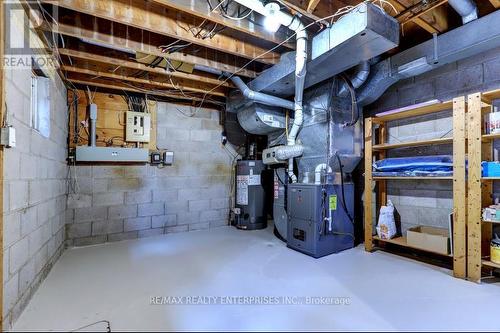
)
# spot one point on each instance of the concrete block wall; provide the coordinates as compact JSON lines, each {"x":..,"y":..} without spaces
{"x":34,"y":194}
{"x":430,"y":202}
{"x":114,"y":203}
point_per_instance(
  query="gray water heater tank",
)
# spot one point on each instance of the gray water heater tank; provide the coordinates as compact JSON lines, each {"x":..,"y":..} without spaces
{"x":250,"y":196}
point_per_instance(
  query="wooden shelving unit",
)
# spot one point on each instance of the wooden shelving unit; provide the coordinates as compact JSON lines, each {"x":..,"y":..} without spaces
{"x":379,"y":149}
{"x":401,"y":241}
{"x":479,"y":232}
{"x":376,"y":178}
{"x":439,"y":141}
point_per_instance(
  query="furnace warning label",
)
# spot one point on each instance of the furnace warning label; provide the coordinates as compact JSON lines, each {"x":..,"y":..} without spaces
{"x":333,"y":202}
{"x":242,"y":190}
{"x":254,"y":180}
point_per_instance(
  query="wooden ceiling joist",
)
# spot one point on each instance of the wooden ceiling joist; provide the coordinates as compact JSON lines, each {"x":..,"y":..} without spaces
{"x":413,"y":17}
{"x":201,"y":9}
{"x":311,"y":6}
{"x":419,"y":21}
{"x":161,"y":20}
{"x":111,"y":41}
{"x":139,"y":66}
{"x":84,"y":80}
{"x":495,"y":3}
{"x":151,"y":82}
{"x":298,"y":10}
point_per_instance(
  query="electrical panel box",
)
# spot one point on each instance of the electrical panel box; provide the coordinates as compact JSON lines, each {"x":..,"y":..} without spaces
{"x":168,"y":158}
{"x":8,"y":137}
{"x":138,"y":127}
{"x":156,"y":158}
{"x":112,"y":154}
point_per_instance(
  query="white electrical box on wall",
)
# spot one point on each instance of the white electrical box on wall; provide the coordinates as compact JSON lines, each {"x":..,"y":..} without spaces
{"x":138,"y":127}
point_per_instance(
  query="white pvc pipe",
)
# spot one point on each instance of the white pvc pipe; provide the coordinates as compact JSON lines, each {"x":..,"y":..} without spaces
{"x":319,"y":169}
{"x":292,"y":23}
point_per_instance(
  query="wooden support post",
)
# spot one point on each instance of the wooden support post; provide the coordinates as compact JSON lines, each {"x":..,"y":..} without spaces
{"x":368,"y":186}
{"x":459,"y":190}
{"x":486,"y":190}
{"x":382,"y":185}
{"x":474,"y":188}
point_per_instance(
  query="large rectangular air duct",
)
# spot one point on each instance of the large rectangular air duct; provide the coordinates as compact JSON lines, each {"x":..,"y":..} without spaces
{"x":466,"y":41}
{"x":364,"y":33}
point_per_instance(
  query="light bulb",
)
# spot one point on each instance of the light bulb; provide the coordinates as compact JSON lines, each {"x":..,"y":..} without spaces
{"x":271,"y":22}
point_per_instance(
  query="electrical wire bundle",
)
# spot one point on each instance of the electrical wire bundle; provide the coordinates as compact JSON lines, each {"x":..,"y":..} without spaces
{"x":238,"y":14}
{"x":136,"y":103}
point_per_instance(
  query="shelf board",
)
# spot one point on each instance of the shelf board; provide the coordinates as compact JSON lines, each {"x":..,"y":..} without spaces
{"x":414,"y":111}
{"x":489,"y":263}
{"x":491,"y":95}
{"x":494,"y":222}
{"x":411,"y":178}
{"x":401,"y":241}
{"x":490,"y":178}
{"x":490,"y":137}
{"x":439,"y":141}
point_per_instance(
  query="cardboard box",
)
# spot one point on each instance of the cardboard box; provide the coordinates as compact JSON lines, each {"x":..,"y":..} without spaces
{"x":430,"y":239}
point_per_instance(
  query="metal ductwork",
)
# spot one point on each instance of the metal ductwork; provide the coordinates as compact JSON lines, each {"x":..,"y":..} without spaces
{"x":260,"y":97}
{"x":465,"y":8}
{"x":466,"y":41}
{"x":364,"y":33}
{"x":361,"y":73}
{"x":294,"y":24}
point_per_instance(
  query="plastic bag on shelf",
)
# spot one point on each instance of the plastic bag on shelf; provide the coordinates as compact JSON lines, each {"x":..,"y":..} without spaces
{"x":386,"y":227}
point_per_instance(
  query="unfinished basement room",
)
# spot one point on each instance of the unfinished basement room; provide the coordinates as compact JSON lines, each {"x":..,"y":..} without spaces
{"x":250,"y":165}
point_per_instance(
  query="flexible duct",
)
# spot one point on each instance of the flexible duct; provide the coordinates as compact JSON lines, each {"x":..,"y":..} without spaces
{"x":319,"y":169}
{"x":465,"y":8}
{"x":357,"y":79}
{"x":285,"y":153}
{"x":261,"y":97}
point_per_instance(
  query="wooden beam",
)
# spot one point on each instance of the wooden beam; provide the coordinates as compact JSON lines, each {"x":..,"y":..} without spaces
{"x":158,"y":19}
{"x":111,"y":41}
{"x":420,"y":22}
{"x":2,"y":113}
{"x":139,"y":66}
{"x":425,"y":11}
{"x":152,"y":83}
{"x":201,"y":10}
{"x":474,"y":188}
{"x":119,"y":86}
{"x":301,"y":11}
{"x":311,"y":6}
{"x":368,"y":209}
{"x":495,"y":3}
{"x":459,"y":189}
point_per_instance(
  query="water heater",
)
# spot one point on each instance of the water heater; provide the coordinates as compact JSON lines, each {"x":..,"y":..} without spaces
{"x":250,"y":212}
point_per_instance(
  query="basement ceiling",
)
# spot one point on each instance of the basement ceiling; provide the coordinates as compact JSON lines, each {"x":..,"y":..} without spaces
{"x":154,"y":46}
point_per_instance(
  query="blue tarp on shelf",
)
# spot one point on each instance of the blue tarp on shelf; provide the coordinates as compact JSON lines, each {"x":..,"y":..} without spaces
{"x":437,"y":165}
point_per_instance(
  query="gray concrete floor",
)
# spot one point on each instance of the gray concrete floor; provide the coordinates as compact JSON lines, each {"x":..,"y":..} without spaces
{"x":116,"y":281}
